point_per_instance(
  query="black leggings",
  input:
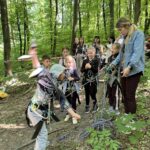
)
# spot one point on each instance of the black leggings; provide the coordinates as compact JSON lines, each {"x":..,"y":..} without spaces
{"x":90,"y":90}
{"x":72,"y":98}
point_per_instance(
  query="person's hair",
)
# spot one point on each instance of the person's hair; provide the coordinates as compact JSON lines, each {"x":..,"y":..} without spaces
{"x":65,"y":48}
{"x":80,"y":39}
{"x":126,"y":23}
{"x":69,"y":57}
{"x":44,"y":57}
{"x":97,"y":37}
{"x":117,"y":45}
{"x":91,"y":48}
{"x":112,"y":38}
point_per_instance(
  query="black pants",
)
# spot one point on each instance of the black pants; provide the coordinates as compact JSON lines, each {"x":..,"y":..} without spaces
{"x":72,"y":98}
{"x":91,"y":90}
{"x":129,"y":86}
{"x":111,"y":91}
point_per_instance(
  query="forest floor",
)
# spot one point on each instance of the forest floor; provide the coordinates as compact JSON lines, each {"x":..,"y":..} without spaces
{"x":15,"y":134}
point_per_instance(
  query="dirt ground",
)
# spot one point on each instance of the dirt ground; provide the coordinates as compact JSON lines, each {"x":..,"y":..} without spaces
{"x":15,"y":134}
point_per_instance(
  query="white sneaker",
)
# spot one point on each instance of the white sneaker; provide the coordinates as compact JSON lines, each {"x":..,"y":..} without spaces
{"x":67,"y":118}
{"x":74,"y":121}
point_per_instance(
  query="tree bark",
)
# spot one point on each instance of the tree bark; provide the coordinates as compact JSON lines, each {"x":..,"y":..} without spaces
{"x":55,"y":27}
{"x":75,"y":21}
{"x":26,"y":30}
{"x":147,"y":18}
{"x":6,"y":37}
{"x":51,"y":25}
{"x":80,"y":21}
{"x":119,"y":8}
{"x":104,"y":18}
{"x":130,"y":9}
{"x":88,"y":13}
{"x":98,"y":17}
{"x":19,"y":28}
{"x":62,"y":10}
{"x":137,"y":11}
{"x":111,"y":8}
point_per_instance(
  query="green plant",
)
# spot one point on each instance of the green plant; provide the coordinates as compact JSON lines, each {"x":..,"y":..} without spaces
{"x":128,"y":125}
{"x":101,"y":140}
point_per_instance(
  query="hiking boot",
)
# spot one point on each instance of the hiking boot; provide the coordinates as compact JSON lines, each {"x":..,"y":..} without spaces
{"x":95,"y":108}
{"x":74,"y":121}
{"x":67,"y":118}
{"x":87,"y":109}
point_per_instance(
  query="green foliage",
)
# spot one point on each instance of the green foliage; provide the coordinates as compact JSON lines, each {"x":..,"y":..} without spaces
{"x":146,"y":76}
{"x":101,"y":140}
{"x":130,"y":126}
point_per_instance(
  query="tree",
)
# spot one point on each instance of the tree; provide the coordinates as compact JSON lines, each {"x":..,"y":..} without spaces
{"x":26,"y":29}
{"x":51,"y":24}
{"x":55,"y":27}
{"x":111,"y":8}
{"x":80,"y":23}
{"x":147,"y":18}
{"x":104,"y":17}
{"x":6,"y":37}
{"x":75,"y":20}
{"x":137,"y":10}
{"x":98,"y":17}
{"x":18,"y":26}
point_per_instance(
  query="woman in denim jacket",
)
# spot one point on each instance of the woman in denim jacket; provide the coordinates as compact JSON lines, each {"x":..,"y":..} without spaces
{"x":131,"y":61}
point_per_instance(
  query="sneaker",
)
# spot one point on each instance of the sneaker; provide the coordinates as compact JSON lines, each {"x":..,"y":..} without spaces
{"x":87,"y":109}
{"x":95,"y":108}
{"x":67,"y":118}
{"x":74,"y":121}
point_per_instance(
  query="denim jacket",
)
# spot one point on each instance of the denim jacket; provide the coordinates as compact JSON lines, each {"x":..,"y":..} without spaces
{"x":133,"y":55}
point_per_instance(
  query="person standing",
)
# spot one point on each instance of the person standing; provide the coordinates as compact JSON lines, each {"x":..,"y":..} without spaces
{"x":112,"y":82}
{"x":80,"y":53}
{"x":90,"y":70}
{"x":70,"y":85}
{"x":131,"y":61}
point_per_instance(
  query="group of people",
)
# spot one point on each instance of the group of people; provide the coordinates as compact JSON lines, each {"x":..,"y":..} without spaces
{"x":61,"y":80}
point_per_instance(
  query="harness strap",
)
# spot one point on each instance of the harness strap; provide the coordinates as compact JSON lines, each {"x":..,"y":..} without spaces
{"x":38,"y":129}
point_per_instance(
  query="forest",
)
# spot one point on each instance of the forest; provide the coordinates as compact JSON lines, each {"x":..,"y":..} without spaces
{"x":53,"y":25}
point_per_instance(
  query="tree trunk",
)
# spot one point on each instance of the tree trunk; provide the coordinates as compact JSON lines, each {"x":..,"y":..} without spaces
{"x":104,"y":17}
{"x":25,"y":26}
{"x":111,"y":8}
{"x":80,"y":23}
{"x":55,"y":27}
{"x":137,"y":11}
{"x":62,"y":10}
{"x":119,"y":8}
{"x":98,"y":17}
{"x":51,"y":26}
{"x":75,"y":21}
{"x":19,"y":28}
{"x":88,"y":13}
{"x":130,"y":9}
{"x":6,"y":37}
{"x":147,"y":18}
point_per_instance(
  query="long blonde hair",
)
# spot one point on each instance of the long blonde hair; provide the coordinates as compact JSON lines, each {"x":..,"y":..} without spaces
{"x":126,"y":23}
{"x":73,"y":63}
